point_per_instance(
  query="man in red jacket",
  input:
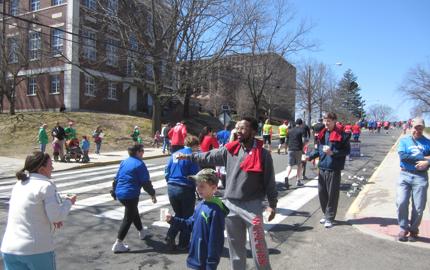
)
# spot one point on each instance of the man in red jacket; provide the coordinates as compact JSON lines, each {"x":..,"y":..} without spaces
{"x":177,"y":136}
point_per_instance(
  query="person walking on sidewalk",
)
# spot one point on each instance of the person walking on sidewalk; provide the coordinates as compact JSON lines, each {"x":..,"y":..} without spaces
{"x":98,"y":138}
{"x":250,"y":178}
{"x":165,"y":137}
{"x":130,"y":178}
{"x":295,"y":151}
{"x":59,"y":135}
{"x":181,"y":190}
{"x":36,"y":210}
{"x":414,"y":152}
{"x":177,"y":136}
{"x":333,"y":147}
{"x":43,"y":137}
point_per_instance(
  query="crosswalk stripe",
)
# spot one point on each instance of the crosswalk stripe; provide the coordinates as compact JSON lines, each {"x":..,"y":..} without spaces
{"x":144,"y":207}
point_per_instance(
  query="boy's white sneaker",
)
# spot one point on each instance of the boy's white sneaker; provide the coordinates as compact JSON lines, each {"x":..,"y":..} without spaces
{"x":328,"y":224}
{"x":120,"y":247}
{"x":322,"y":221}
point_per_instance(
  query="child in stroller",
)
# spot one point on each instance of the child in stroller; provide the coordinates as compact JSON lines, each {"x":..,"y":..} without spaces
{"x":73,"y":151}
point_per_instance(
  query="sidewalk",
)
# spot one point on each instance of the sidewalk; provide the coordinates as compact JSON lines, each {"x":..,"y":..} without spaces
{"x":374,"y":210}
{"x":8,"y":166}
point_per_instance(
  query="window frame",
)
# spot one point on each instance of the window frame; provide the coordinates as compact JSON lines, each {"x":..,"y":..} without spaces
{"x":90,"y":86}
{"x":89,"y":44}
{"x":112,"y":93}
{"x":57,"y":84}
{"x":112,"y":7}
{"x":32,"y":84}
{"x":90,"y":4}
{"x":34,"y":5}
{"x":57,"y":2}
{"x":57,"y":41}
{"x":13,"y":51}
{"x":112,"y":52}
{"x":34,"y":45}
{"x":14,"y":7}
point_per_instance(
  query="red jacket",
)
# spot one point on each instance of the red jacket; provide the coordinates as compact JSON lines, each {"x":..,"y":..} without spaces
{"x":208,"y":143}
{"x":177,"y":134}
{"x":356,"y":129}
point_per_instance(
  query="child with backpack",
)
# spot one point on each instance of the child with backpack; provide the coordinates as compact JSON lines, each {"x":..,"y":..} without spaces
{"x":206,"y":224}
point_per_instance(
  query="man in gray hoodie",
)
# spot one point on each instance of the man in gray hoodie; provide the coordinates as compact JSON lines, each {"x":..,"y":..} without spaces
{"x":250,"y":178}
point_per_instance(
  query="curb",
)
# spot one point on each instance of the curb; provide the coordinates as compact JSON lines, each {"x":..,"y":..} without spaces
{"x":92,"y":165}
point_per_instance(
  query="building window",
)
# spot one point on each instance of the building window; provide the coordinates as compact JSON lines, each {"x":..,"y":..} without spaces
{"x":34,"y":45}
{"x":32,"y":85}
{"x":14,"y":7}
{"x":57,"y":2}
{"x":89,"y":44}
{"x":57,"y":37}
{"x":112,"y":90}
{"x":131,"y":56}
{"x":112,"y":52}
{"x":112,"y":7}
{"x":13,"y":50}
{"x":90,"y":86}
{"x":55,"y":84}
{"x":91,"y":4}
{"x":148,"y":71}
{"x":34,"y":5}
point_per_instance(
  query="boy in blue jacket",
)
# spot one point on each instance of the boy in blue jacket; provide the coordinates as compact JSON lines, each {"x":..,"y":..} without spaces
{"x":207,"y":223}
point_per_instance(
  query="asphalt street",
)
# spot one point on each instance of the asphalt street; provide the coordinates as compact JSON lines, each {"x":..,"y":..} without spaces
{"x":296,"y":240}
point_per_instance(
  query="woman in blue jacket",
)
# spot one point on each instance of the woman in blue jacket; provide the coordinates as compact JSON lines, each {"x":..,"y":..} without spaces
{"x":131,"y":177}
{"x":181,"y":191}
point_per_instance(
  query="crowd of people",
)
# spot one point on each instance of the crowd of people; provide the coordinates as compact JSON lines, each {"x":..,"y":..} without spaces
{"x":195,"y":166}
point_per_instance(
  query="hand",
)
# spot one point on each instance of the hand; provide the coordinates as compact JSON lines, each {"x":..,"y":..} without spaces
{"x":328,"y":152}
{"x":58,"y":225}
{"x":422,"y":165}
{"x":272,"y":212}
{"x":168,"y":218}
{"x":154,"y":199}
{"x":72,"y":198}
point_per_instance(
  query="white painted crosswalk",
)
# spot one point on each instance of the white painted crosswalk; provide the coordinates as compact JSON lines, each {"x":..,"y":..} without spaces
{"x":92,"y":186}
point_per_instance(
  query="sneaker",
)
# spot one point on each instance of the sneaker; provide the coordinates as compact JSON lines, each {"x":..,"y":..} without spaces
{"x":322,"y":221}
{"x":120,"y":247}
{"x":287,"y":185}
{"x":300,"y":183}
{"x":143,"y":234}
{"x":413,"y":236}
{"x":328,"y":224}
{"x":279,"y":151}
{"x":402,"y":236}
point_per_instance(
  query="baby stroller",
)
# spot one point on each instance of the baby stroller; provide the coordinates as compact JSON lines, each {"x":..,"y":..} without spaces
{"x":73,"y":151}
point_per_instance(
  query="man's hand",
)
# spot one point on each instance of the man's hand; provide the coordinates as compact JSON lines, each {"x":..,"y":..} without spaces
{"x":154,"y":199}
{"x":168,"y":218}
{"x":422,"y":165}
{"x":272,"y":213}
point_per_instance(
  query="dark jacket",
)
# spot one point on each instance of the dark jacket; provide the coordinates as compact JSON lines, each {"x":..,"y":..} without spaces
{"x":59,"y":133}
{"x":340,"y":150}
{"x":207,"y":239}
{"x":295,"y":139}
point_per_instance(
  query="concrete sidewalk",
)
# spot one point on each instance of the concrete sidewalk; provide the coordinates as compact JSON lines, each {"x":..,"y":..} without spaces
{"x":8,"y":166}
{"x":374,"y":210}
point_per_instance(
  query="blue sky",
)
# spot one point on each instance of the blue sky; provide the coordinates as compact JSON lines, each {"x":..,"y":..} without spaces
{"x":379,"y":40}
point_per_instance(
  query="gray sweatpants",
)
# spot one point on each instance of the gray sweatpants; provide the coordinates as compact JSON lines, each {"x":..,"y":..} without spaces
{"x":246,"y":216}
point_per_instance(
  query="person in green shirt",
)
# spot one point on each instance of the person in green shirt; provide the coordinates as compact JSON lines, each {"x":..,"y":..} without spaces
{"x":135,"y":136}
{"x":43,"y":137}
{"x":283,"y":132}
{"x":70,"y":132}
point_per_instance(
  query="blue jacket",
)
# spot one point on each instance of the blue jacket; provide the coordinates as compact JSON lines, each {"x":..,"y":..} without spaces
{"x":413,"y":150}
{"x":85,"y":145}
{"x":131,"y":177}
{"x":176,"y":171}
{"x":207,"y":228}
{"x":340,"y":150}
{"x":223,"y":136}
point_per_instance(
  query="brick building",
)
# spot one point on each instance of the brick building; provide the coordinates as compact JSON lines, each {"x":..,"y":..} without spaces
{"x":71,"y":56}
{"x":226,"y":83}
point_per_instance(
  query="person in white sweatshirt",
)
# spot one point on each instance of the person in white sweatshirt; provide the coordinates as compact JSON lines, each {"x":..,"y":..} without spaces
{"x":35,"y":211}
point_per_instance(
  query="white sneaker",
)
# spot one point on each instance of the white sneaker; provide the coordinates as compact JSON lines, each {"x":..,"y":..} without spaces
{"x":143,"y":234}
{"x":328,"y":224}
{"x":322,"y":221}
{"x":120,"y":247}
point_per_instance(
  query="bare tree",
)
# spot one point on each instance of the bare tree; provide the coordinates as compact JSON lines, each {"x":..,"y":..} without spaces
{"x":313,"y":84}
{"x":381,"y":112}
{"x":416,"y":87}
{"x":270,"y":38}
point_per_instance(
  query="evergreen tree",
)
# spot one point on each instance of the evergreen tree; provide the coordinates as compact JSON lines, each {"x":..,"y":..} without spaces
{"x":350,"y":98}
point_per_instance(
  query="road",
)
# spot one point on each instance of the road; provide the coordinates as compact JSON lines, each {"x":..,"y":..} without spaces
{"x":295,"y":238}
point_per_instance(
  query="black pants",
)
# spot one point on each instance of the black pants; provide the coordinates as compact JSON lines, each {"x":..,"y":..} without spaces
{"x":131,"y":215}
{"x":328,"y":192}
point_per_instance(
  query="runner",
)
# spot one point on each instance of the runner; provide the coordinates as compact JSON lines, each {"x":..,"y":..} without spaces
{"x":283,"y":132}
{"x":295,"y":151}
{"x":267,"y":135}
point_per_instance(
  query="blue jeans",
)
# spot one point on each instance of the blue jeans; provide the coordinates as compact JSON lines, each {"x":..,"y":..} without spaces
{"x":98,"y":146}
{"x":415,"y":186}
{"x":42,"y":261}
{"x":42,"y":147}
{"x":182,"y":200}
{"x":166,"y":144}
